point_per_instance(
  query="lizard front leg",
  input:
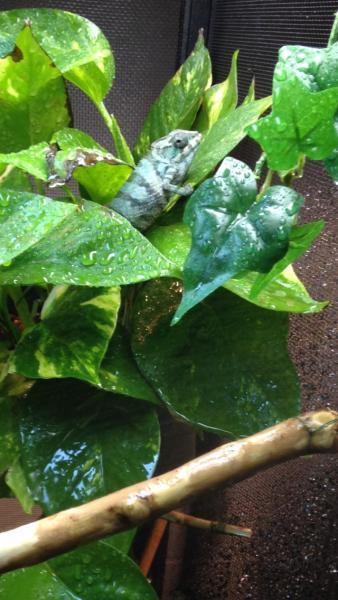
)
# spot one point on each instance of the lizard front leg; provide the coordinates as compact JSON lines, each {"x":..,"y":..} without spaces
{"x":185,"y":190}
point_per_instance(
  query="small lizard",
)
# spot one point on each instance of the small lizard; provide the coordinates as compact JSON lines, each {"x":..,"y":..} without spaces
{"x":157,"y":176}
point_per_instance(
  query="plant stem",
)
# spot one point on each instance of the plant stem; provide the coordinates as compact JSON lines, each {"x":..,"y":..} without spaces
{"x":266,"y":184}
{"x":136,"y":504}
{"x":70,"y":194}
{"x":153,"y":543}
{"x":121,"y":146}
{"x":21,"y":305}
{"x":183,"y":519}
{"x":334,"y":32}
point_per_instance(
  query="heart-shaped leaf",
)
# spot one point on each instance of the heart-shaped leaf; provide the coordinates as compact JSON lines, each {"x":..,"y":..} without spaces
{"x":231,"y":233}
{"x":72,"y":338}
{"x":75,"y":45}
{"x":301,"y":122}
{"x":224,"y":368}
{"x":32,"y":95}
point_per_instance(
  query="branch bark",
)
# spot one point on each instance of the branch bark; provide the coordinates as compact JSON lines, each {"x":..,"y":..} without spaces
{"x":132,"y":506}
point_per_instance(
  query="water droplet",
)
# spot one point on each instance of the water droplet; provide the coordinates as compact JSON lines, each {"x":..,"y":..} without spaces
{"x":89,"y":259}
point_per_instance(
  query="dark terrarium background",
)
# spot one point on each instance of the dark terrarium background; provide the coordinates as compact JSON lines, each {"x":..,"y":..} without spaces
{"x":293,"y":507}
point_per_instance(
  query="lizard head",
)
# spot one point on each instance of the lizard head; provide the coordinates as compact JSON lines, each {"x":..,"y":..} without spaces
{"x":179,"y":145}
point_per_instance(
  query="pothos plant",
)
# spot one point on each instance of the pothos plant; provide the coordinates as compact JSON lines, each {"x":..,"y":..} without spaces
{"x":95,"y":332}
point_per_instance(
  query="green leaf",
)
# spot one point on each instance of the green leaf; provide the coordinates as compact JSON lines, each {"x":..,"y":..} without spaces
{"x":301,"y":239}
{"x":119,"y":372}
{"x":25,"y":219}
{"x":79,"y":443}
{"x":219,"y":100}
{"x":285,"y":292}
{"x":32,"y":160}
{"x":32,"y":95}
{"x":93,"y":246}
{"x":102,"y":181}
{"x":176,"y":106}
{"x":250,"y":97}
{"x":224,"y":137}
{"x":75,"y":45}
{"x":224,"y":368}
{"x":72,"y":338}
{"x":96,"y":572}
{"x":301,"y":122}
{"x":229,"y":236}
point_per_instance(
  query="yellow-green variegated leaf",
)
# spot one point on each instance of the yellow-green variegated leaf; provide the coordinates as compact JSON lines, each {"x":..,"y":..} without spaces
{"x":72,"y":338}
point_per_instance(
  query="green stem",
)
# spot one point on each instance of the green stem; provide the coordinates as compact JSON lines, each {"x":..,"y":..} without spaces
{"x":122,"y":150}
{"x":266,"y":184}
{"x":334,"y":32}
{"x":39,"y":186}
{"x":21,"y":305}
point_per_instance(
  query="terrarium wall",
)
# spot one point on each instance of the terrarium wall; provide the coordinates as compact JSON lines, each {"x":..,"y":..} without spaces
{"x":292,"y":508}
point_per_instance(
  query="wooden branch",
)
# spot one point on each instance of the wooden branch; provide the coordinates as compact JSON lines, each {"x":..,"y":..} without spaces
{"x":36,"y":542}
{"x":184,"y":519}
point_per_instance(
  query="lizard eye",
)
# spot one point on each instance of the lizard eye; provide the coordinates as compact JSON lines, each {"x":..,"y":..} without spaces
{"x":180,"y":143}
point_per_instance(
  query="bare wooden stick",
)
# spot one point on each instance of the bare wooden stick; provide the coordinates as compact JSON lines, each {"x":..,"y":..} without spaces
{"x":180,"y":518}
{"x":36,"y":542}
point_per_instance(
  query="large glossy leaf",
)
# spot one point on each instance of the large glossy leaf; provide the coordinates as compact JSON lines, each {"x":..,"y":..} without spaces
{"x":93,"y":246}
{"x":79,"y":443}
{"x":32,"y":95}
{"x":225,"y":367}
{"x":102,"y":180}
{"x":285,"y":292}
{"x":75,"y":45}
{"x":96,"y":572}
{"x":119,"y":372}
{"x":72,"y":338}
{"x":223,"y":137}
{"x":315,"y":67}
{"x":301,"y":122}
{"x":179,"y":100}
{"x":229,"y":236}
{"x":25,"y":219}
{"x":219,"y":100}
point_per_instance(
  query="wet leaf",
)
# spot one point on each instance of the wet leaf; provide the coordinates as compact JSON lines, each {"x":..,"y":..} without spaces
{"x":285,"y":292}
{"x":301,"y":122}
{"x":79,"y":443}
{"x":25,"y":219}
{"x":231,"y":233}
{"x":224,"y":368}
{"x":95,"y":572}
{"x":32,"y":95}
{"x":219,"y":100}
{"x":93,"y":246}
{"x":177,"y":105}
{"x":119,"y":372}
{"x":72,"y":338}
{"x":224,"y":137}
{"x":75,"y":45}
